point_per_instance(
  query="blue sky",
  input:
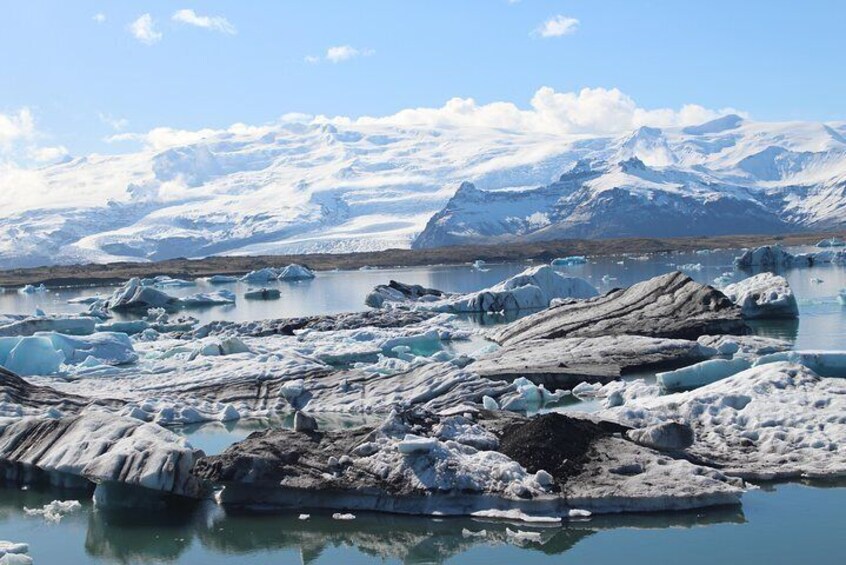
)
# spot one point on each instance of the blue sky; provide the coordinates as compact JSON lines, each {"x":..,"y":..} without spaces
{"x":81,"y":80}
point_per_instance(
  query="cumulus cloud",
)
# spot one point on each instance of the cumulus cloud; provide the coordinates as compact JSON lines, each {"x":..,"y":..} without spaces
{"x":557,"y":26}
{"x":15,"y":127}
{"x":99,"y":17}
{"x":213,"y":23}
{"x":144,"y":30}
{"x":19,"y":140}
{"x":48,"y":154}
{"x":164,"y":137}
{"x":116,"y":124}
{"x":341,"y":53}
{"x":595,"y":111}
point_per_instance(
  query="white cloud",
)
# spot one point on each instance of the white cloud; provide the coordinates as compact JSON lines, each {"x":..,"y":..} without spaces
{"x":214,"y":23}
{"x":19,"y":141}
{"x":595,"y":111}
{"x":144,"y":30}
{"x":99,"y":17}
{"x":340,"y":53}
{"x":116,"y":124}
{"x":47,"y":154}
{"x":16,"y":127}
{"x":590,"y":111}
{"x":312,"y":59}
{"x":557,"y":26}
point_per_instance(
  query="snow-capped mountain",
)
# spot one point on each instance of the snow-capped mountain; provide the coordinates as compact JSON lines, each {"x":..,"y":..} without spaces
{"x":728,"y":176}
{"x":330,"y":187}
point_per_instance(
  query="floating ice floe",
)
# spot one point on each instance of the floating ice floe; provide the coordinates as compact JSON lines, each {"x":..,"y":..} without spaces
{"x":294,"y":272}
{"x":774,"y":257}
{"x":262,"y":294}
{"x":533,"y":289}
{"x":70,"y":324}
{"x":773,"y":421}
{"x":53,"y":512}
{"x":832,"y":242}
{"x":30,"y":289}
{"x":101,"y":448}
{"x":701,"y":374}
{"x":691,"y":267}
{"x":479,"y":265}
{"x":569,"y":261}
{"x":221,"y":279}
{"x":841,"y":297}
{"x":204,"y":299}
{"x":669,"y":306}
{"x":823,"y":363}
{"x":763,"y":296}
{"x":403,"y":466}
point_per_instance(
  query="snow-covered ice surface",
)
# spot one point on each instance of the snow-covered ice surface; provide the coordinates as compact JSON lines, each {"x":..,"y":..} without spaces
{"x":101,"y":448}
{"x":774,"y":421}
{"x":374,"y":186}
{"x":763,"y":296}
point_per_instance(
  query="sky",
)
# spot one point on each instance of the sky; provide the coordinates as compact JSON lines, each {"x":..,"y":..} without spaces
{"x":77,"y":76}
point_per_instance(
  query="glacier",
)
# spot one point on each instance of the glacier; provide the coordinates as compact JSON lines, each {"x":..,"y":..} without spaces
{"x":319,"y":186}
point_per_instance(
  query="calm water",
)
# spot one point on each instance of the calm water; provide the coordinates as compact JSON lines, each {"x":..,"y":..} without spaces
{"x":787,"y":523}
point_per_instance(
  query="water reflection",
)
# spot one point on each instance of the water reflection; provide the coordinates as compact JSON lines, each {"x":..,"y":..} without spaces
{"x":137,"y":536}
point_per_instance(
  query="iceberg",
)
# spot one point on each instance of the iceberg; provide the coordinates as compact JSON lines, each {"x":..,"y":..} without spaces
{"x":294,"y":272}
{"x":832,"y":242}
{"x":65,"y":324}
{"x":763,"y":296}
{"x":30,"y":289}
{"x":221,"y":279}
{"x":262,"y":294}
{"x":823,"y":363}
{"x":205,"y":299}
{"x":107,"y":347}
{"x":261,"y":276}
{"x":701,"y":374}
{"x":569,"y":260}
{"x":30,"y":355}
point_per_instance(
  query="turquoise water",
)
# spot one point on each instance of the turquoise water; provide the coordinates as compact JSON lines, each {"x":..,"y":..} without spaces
{"x":785,"y":523}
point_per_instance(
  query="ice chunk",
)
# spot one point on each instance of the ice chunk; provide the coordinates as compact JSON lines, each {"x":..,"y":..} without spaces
{"x":110,"y":348}
{"x":261,"y":276}
{"x":54,"y":511}
{"x":30,"y":289}
{"x":294,"y":272}
{"x":30,"y":355}
{"x":343,"y":516}
{"x":221,"y":279}
{"x":763,"y":296}
{"x":823,"y":363}
{"x":833,"y":242}
{"x":701,"y":374}
{"x":65,"y":324}
{"x":262,"y":294}
{"x":569,"y":260}
{"x":204,"y":299}
{"x":415,"y":444}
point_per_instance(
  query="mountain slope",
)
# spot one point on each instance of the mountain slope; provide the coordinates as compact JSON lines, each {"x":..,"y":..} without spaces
{"x":325,"y":187}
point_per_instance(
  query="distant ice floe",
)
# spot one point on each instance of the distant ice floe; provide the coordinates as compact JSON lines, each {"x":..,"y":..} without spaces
{"x":774,"y":257}
{"x":533,"y":289}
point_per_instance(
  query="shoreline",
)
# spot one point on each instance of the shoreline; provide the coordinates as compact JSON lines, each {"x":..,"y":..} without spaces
{"x":544,"y":251}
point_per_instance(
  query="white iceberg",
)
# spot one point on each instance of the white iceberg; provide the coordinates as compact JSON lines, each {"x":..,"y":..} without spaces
{"x":701,"y":374}
{"x":763,"y":296}
{"x":294,"y":272}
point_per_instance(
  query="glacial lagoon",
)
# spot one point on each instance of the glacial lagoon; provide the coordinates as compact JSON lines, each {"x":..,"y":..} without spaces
{"x":777,"y":523}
